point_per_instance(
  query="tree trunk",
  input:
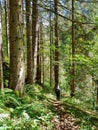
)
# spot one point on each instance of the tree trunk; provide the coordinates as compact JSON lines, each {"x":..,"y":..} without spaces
{"x":73,"y":53}
{"x":51,"y":52}
{"x":96,"y":84}
{"x":24,"y":20}
{"x":38,"y":74}
{"x":1,"y":67}
{"x":43,"y":67}
{"x":29,"y":45}
{"x":56,"y":66}
{"x":17,"y":73}
{"x":7,"y":26}
{"x":34,"y":34}
{"x":97,"y":95}
{"x":42,"y":54}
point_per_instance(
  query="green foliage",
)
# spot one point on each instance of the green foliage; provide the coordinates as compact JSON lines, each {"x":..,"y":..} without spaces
{"x":30,"y":112}
{"x":9,"y":98}
{"x":81,"y":113}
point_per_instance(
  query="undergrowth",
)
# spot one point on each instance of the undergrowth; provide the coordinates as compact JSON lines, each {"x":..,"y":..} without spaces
{"x":33,"y":111}
{"x":30,"y":112}
{"x":72,"y":106}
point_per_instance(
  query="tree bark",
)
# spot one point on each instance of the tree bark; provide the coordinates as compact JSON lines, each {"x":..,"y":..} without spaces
{"x":38,"y":74}
{"x":34,"y":34}
{"x":42,"y":54}
{"x":56,"y":58}
{"x":7,"y":26}
{"x":51,"y":52}
{"x":17,"y":73}
{"x":73,"y":53}
{"x":1,"y":66}
{"x":29,"y":45}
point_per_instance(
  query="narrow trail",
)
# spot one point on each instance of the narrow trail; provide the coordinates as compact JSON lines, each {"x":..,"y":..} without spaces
{"x":63,"y":121}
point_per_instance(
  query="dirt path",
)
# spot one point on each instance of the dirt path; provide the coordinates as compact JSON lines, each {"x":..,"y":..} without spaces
{"x":63,"y":121}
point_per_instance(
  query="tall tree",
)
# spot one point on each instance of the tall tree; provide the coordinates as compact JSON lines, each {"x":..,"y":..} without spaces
{"x":17,"y":73}
{"x":51,"y":52}
{"x":56,"y":57}
{"x":42,"y":54}
{"x":29,"y":44}
{"x":7,"y":26}
{"x":38,"y":72}
{"x":73,"y":52}
{"x":1,"y":67}
{"x":34,"y":34}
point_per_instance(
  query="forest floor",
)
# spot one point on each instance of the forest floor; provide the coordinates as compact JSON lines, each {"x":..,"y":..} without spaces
{"x":38,"y":110}
{"x":63,"y":121}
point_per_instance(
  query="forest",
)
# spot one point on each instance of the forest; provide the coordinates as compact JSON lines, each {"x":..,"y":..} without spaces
{"x":48,"y":64}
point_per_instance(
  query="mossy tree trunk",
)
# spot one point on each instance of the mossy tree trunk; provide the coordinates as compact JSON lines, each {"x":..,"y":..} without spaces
{"x":29,"y":45}
{"x":17,"y":73}
{"x":1,"y":66}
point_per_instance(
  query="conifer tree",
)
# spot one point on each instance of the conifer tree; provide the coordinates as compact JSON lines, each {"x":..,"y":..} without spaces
{"x":17,"y":73}
{"x":29,"y":44}
{"x":1,"y":60}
